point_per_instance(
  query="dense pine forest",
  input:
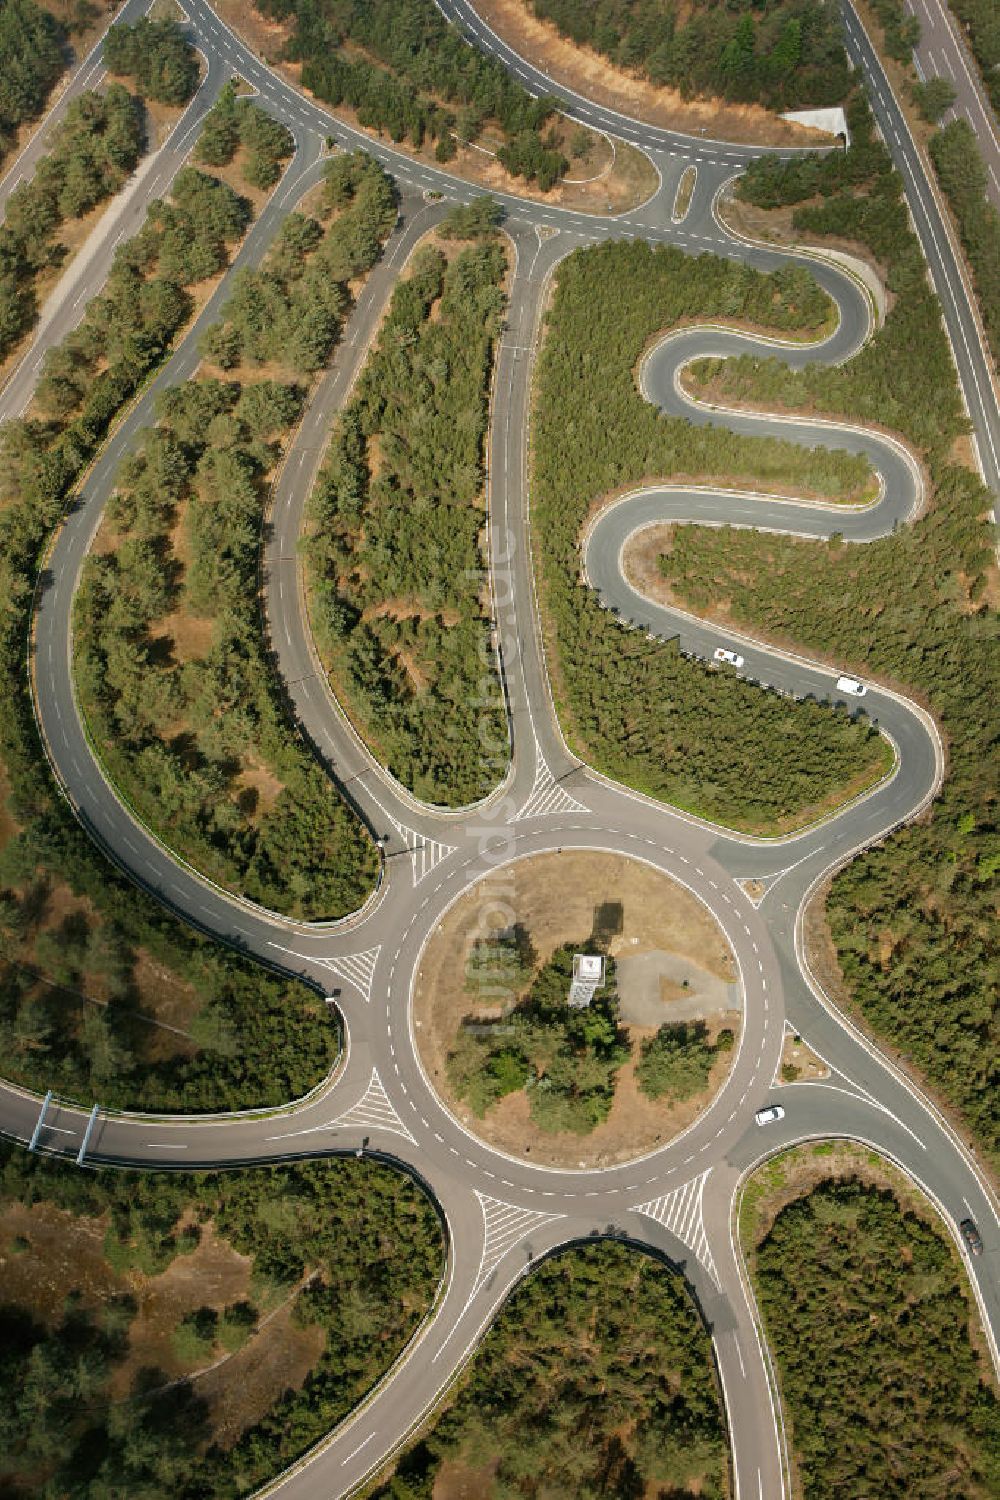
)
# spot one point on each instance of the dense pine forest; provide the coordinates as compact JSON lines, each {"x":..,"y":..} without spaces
{"x":633,"y":707}
{"x":31,"y":59}
{"x":354,"y":1247}
{"x":595,"y":1380}
{"x":407,"y":71}
{"x":914,"y":920}
{"x":869,"y":1324}
{"x":396,"y":559}
{"x":788,"y":54}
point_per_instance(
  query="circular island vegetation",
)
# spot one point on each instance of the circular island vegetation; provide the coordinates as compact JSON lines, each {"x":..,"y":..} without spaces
{"x":589,"y":1084}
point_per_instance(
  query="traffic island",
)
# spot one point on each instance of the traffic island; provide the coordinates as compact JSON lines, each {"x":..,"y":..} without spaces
{"x":577,"y":1008}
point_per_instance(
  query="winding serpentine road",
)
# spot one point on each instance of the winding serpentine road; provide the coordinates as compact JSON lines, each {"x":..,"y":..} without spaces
{"x":503,"y":1213}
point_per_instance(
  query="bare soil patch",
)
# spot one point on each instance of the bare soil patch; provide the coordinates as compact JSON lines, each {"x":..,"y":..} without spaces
{"x":590,"y":73}
{"x":632,"y":180}
{"x":563,"y":898}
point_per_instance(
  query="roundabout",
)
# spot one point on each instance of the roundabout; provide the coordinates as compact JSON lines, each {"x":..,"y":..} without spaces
{"x":491,"y":1024}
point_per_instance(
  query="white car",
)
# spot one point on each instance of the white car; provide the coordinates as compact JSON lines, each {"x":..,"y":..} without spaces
{"x":732,"y":657}
{"x":769,"y":1115}
{"x":851,"y":685}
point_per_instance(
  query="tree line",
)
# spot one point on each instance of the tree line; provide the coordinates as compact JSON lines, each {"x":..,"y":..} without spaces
{"x":157,"y":55}
{"x":596,"y":1379}
{"x":256,"y":1040}
{"x":395,"y":553}
{"x":704,"y":740}
{"x":784,"y":55}
{"x":369,"y":1240}
{"x":31,"y":59}
{"x":982,"y":26}
{"x":93,"y":151}
{"x":196,"y":487}
{"x":962,"y":173}
{"x":869,"y":1323}
{"x":407,"y":70}
{"x":913,"y":920}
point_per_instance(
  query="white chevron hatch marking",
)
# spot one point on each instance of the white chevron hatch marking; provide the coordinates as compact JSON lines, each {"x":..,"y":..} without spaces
{"x":680,"y":1212}
{"x":356,"y":968}
{"x":547,"y":797}
{"x":424,"y":853}
{"x":503,"y":1225}
{"x":374,"y":1110}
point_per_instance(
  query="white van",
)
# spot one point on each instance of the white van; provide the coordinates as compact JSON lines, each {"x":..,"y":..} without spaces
{"x":852,"y":686}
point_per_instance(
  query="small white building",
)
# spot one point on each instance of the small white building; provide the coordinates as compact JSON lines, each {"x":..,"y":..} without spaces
{"x":588,"y":976}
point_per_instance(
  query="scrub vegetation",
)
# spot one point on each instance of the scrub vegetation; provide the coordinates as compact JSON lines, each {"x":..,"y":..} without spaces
{"x":868,"y":1320}
{"x":353,"y":1247}
{"x":31,"y":59}
{"x":595,"y":1380}
{"x":636,"y":708}
{"x":104,"y":994}
{"x":395,"y":558}
{"x":785,"y":55}
{"x":93,"y":151}
{"x":407,"y":71}
{"x":157,"y":55}
{"x":914,"y":921}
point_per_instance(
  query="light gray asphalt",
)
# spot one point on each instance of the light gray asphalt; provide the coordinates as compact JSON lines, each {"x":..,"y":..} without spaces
{"x":503,"y":1213}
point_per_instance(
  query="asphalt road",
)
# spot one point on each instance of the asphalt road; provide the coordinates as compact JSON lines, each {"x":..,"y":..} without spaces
{"x":503,"y":1213}
{"x":944,"y":52}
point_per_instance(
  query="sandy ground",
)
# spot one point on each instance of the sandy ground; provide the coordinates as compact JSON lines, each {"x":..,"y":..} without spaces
{"x":795,"y":1053}
{"x":561,"y":898}
{"x":632,"y":180}
{"x":589,"y":73}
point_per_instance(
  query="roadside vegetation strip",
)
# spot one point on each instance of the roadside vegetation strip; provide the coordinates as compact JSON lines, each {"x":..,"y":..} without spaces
{"x":171,"y":665}
{"x":634,"y":708}
{"x":157,"y":55}
{"x":919,"y":610}
{"x":615,"y":1392}
{"x":790,"y":56}
{"x":962,"y":175}
{"x":93,"y":151}
{"x":979,"y":19}
{"x":31,"y":61}
{"x":215,"y":1325}
{"x":105,"y":995}
{"x":406,"y":70}
{"x":396,"y":547}
{"x":885,"y":1383}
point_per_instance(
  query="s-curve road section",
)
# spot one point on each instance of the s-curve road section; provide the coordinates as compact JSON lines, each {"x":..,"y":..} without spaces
{"x":500,"y":1212}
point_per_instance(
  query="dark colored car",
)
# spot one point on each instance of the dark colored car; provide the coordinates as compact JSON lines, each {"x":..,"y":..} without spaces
{"x":972,"y":1237}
